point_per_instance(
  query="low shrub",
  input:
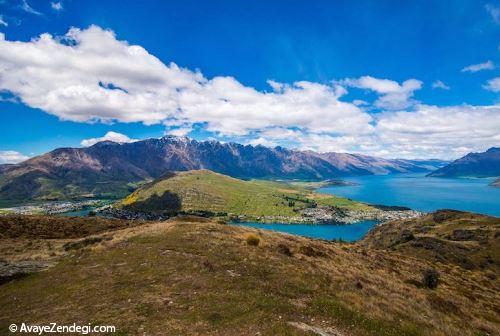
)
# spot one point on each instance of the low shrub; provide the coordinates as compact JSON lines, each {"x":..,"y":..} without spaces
{"x":252,"y":240}
{"x":311,"y":252}
{"x":284,"y":249}
{"x":208,"y":265}
{"x":430,"y":278}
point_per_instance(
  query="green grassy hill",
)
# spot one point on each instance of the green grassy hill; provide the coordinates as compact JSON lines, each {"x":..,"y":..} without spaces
{"x":204,"y":190}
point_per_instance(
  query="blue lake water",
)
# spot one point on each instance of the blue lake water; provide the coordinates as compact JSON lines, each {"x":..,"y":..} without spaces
{"x":77,"y":213}
{"x":411,"y":190}
{"x":349,"y":232}
{"x":422,"y":193}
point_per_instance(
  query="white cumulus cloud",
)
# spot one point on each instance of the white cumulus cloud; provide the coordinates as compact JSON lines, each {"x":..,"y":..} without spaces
{"x":426,"y":132}
{"x":488,"y":65}
{"x":440,"y":85}
{"x":56,"y":5}
{"x":27,"y":8}
{"x":262,"y":141}
{"x":89,"y":75}
{"x":179,"y":131}
{"x":110,"y":136}
{"x":494,"y":11}
{"x":493,"y":85}
{"x":10,"y":156}
{"x":444,"y":132}
{"x":3,"y":22}
{"x":393,"y":95}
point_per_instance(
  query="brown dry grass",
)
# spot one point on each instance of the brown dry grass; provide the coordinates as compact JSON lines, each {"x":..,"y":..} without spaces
{"x":469,"y":240}
{"x":54,"y":227}
{"x":200,"y":278}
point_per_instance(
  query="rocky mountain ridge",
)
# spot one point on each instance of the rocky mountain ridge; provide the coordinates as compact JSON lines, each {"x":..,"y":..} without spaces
{"x":109,"y":169}
{"x":485,"y":164}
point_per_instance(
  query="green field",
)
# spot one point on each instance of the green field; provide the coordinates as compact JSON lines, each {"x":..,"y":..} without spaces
{"x":204,"y":190}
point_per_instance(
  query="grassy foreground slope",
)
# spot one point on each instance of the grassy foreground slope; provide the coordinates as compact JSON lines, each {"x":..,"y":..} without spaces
{"x":204,"y":190}
{"x":191,"y":276}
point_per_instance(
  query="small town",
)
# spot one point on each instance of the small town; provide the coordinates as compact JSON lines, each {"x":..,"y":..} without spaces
{"x":52,"y":208}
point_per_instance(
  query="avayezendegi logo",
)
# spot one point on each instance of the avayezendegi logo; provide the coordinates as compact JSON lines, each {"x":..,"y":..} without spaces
{"x":55,"y":328}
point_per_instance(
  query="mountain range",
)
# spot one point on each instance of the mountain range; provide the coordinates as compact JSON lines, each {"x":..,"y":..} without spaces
{"x":110,"y":169}
{"x":485,"y":164}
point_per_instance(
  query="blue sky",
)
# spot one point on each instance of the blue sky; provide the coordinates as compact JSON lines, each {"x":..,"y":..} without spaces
{"x":412,"y":79}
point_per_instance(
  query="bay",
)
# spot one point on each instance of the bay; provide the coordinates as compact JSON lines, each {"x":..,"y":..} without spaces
{"x":422,"y":193}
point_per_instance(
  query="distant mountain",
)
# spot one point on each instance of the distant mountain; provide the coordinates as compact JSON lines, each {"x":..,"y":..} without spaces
{"x":109,"y":169}
{"x":486,"y":164}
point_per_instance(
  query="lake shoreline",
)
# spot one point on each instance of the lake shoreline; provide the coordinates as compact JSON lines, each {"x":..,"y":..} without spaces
{"x":310,"y":216}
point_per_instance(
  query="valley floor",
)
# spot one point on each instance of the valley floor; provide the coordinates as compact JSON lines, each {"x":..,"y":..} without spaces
{"x":191,"y":276}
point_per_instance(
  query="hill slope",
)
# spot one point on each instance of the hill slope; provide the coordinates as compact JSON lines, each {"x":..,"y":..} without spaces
{"x":486,"y":164}
{"x":110,"y":169}
{"x":195,"y":277}
{"x":469,"y":240}
{"x":206,"y":191}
